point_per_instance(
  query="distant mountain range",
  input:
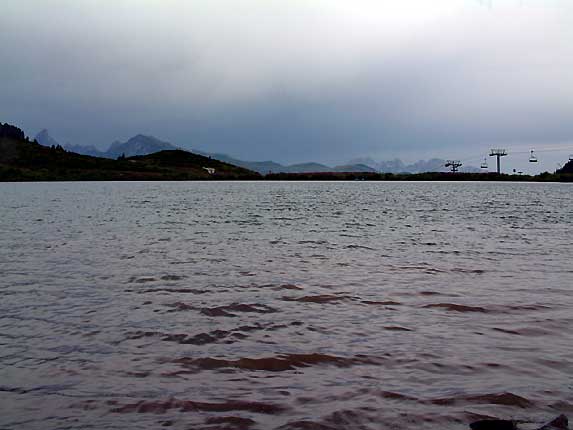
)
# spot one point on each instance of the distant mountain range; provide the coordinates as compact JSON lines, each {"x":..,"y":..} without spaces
{"x":264,"y":167}
{"x":137,"y":145}
{"x":398,"y":166}
{"x":23,"y":160}
{"x":144,"y":145}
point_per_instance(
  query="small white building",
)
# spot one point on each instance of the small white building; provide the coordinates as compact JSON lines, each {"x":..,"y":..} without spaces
{"x":209,"y":170}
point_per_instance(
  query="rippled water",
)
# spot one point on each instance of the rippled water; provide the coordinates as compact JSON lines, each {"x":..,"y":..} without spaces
{"x":284,"y":305}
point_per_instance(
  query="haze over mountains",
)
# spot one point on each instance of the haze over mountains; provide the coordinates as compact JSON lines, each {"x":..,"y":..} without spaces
{"x":25,"y":160}
{"x":143,"y":145}
{"x":398,"y":166}
{"x":137,"y":145}
{"x":22,"y":159}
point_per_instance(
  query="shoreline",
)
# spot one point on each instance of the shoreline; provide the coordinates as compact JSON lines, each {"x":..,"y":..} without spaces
{"x":315,"y":177}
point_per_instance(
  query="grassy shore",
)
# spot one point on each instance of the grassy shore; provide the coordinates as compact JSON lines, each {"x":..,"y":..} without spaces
{"x":429,"y":176}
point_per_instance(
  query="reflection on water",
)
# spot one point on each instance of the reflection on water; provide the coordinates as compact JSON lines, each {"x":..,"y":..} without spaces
{"x":284,"y":305}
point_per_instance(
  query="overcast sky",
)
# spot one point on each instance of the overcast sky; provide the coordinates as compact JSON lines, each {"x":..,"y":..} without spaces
{"x":294,"y":80}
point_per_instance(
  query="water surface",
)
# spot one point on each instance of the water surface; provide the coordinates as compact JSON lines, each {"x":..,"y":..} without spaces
{"x":284,"y":305}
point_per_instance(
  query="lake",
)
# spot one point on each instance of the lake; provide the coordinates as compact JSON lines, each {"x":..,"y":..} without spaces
{"x":280,"y":305}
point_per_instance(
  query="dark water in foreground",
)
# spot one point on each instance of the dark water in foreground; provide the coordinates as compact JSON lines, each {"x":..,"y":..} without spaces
{"x":284,"y":305}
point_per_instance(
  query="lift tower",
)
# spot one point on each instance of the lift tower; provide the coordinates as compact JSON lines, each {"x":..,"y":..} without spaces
{"x":498,"y":153}
{"x":454,"y":165}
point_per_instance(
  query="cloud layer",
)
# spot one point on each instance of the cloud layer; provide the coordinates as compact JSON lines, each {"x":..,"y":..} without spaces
{"x":293,"y":80}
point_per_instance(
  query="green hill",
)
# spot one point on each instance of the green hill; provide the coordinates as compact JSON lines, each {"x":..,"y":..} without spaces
{"x":23,"y":160}
{"x":567,"y":168}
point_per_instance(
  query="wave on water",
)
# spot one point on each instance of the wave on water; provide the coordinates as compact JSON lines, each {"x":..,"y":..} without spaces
{"x":279,"y":363}
{"x":160,"y":407}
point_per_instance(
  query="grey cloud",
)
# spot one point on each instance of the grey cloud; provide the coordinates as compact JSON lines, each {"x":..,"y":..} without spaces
{"x":291,"y":81}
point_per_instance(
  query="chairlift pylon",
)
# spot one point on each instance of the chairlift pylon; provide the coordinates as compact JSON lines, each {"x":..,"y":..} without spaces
{"x":532,"y":157}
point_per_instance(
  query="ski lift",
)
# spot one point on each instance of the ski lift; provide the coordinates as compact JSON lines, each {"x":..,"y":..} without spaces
{"x":484,"y":164}
{"x":570,"y":157}
{"x":532,"y":157}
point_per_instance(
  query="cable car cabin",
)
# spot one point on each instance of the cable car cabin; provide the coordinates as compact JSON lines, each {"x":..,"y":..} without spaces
{"x":484,"y":164}
{"x":570,"y":157}
{"x":532,"y":157}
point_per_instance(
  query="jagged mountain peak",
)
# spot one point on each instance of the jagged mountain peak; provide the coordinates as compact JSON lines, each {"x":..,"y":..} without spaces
{"x":139,"y":144}
{"x":44,"y":138}
{"x":146,"y":138}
